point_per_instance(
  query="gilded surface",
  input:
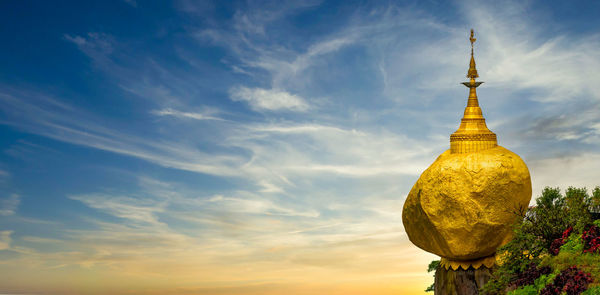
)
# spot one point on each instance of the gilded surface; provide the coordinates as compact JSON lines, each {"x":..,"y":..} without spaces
{"x":463,"y":206}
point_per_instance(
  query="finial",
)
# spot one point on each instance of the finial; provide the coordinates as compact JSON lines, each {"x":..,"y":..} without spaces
{"x":472,"y":73}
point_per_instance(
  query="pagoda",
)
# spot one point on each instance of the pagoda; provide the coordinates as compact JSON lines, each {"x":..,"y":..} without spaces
{"x":462,"y":207}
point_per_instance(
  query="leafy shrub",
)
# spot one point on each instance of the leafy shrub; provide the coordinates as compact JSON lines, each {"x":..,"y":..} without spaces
{"x":588,"y":262}
{"x":574,"y":244}
{"x":535,"y":288}
{"x":557,"y":243}
{"x":546,"y":254}
{"x":578,"y":205}
{"x":555,"y":247}
{"x":572,"y":281}
{"x":531,"y":274}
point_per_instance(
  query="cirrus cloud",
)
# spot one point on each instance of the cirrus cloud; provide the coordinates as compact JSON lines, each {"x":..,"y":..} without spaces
{"x":261,"y":99}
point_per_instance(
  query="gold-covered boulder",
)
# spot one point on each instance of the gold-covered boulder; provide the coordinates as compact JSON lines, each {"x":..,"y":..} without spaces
{"x":462,"y":207}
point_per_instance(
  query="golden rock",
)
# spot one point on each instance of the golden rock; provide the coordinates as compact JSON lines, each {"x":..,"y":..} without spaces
{"x":463,"y":206}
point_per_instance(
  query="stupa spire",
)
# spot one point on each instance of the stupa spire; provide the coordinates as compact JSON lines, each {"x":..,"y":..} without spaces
{"x":473,"y":134}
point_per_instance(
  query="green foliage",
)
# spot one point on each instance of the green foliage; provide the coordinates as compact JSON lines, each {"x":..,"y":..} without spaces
{"x":498,"y":282}
{"x":577,"y":203}
{"x":433,"y":266}
{"x":595,"y":200}
{"x":431,"y":288}
{"x":547,"y":220}
{"x":586,"y":261}
{"x":574,"y":244}
{"x":544,"y":280}
{"x":525,"y":290}
{"x":534,"y":289}
{"x":592,"y":291}
{"x":540,"y":227}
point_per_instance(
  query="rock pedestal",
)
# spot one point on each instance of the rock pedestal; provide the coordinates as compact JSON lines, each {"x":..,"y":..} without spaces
{"x":460,"y":281}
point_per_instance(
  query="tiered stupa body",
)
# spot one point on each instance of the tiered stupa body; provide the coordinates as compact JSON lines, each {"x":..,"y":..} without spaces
{"x":463,"y":206}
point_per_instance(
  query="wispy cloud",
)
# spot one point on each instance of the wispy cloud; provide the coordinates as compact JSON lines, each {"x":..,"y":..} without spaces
{"x":274,"y":153}
{"x":98,"y":46}
{"x":221,"y":230}
{"x":523,"y":59}
{"x":558,"y":66}
{"x":75,"y":126}
{"x":269,"y":99}
{"x":5,"y":239}
{"x":9,"y":205}
{"x":189,"y":115}
{"x":135,"y":209}
{"x":256,"y":206}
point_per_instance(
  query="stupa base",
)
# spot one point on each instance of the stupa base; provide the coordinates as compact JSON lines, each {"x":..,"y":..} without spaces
{"x":466,"y":264}
{"x":461,"y":281}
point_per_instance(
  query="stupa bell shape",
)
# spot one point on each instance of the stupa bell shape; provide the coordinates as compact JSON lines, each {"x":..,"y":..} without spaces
{"x":463,"y":206}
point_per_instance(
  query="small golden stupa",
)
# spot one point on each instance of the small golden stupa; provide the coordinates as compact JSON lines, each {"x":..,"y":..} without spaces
{"x":463,"y":206}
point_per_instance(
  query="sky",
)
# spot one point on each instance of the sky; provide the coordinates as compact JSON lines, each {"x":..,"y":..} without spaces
{"x":265,"y":147}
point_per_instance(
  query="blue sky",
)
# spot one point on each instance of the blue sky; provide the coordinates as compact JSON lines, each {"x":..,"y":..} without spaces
{"x":231,"y":144}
